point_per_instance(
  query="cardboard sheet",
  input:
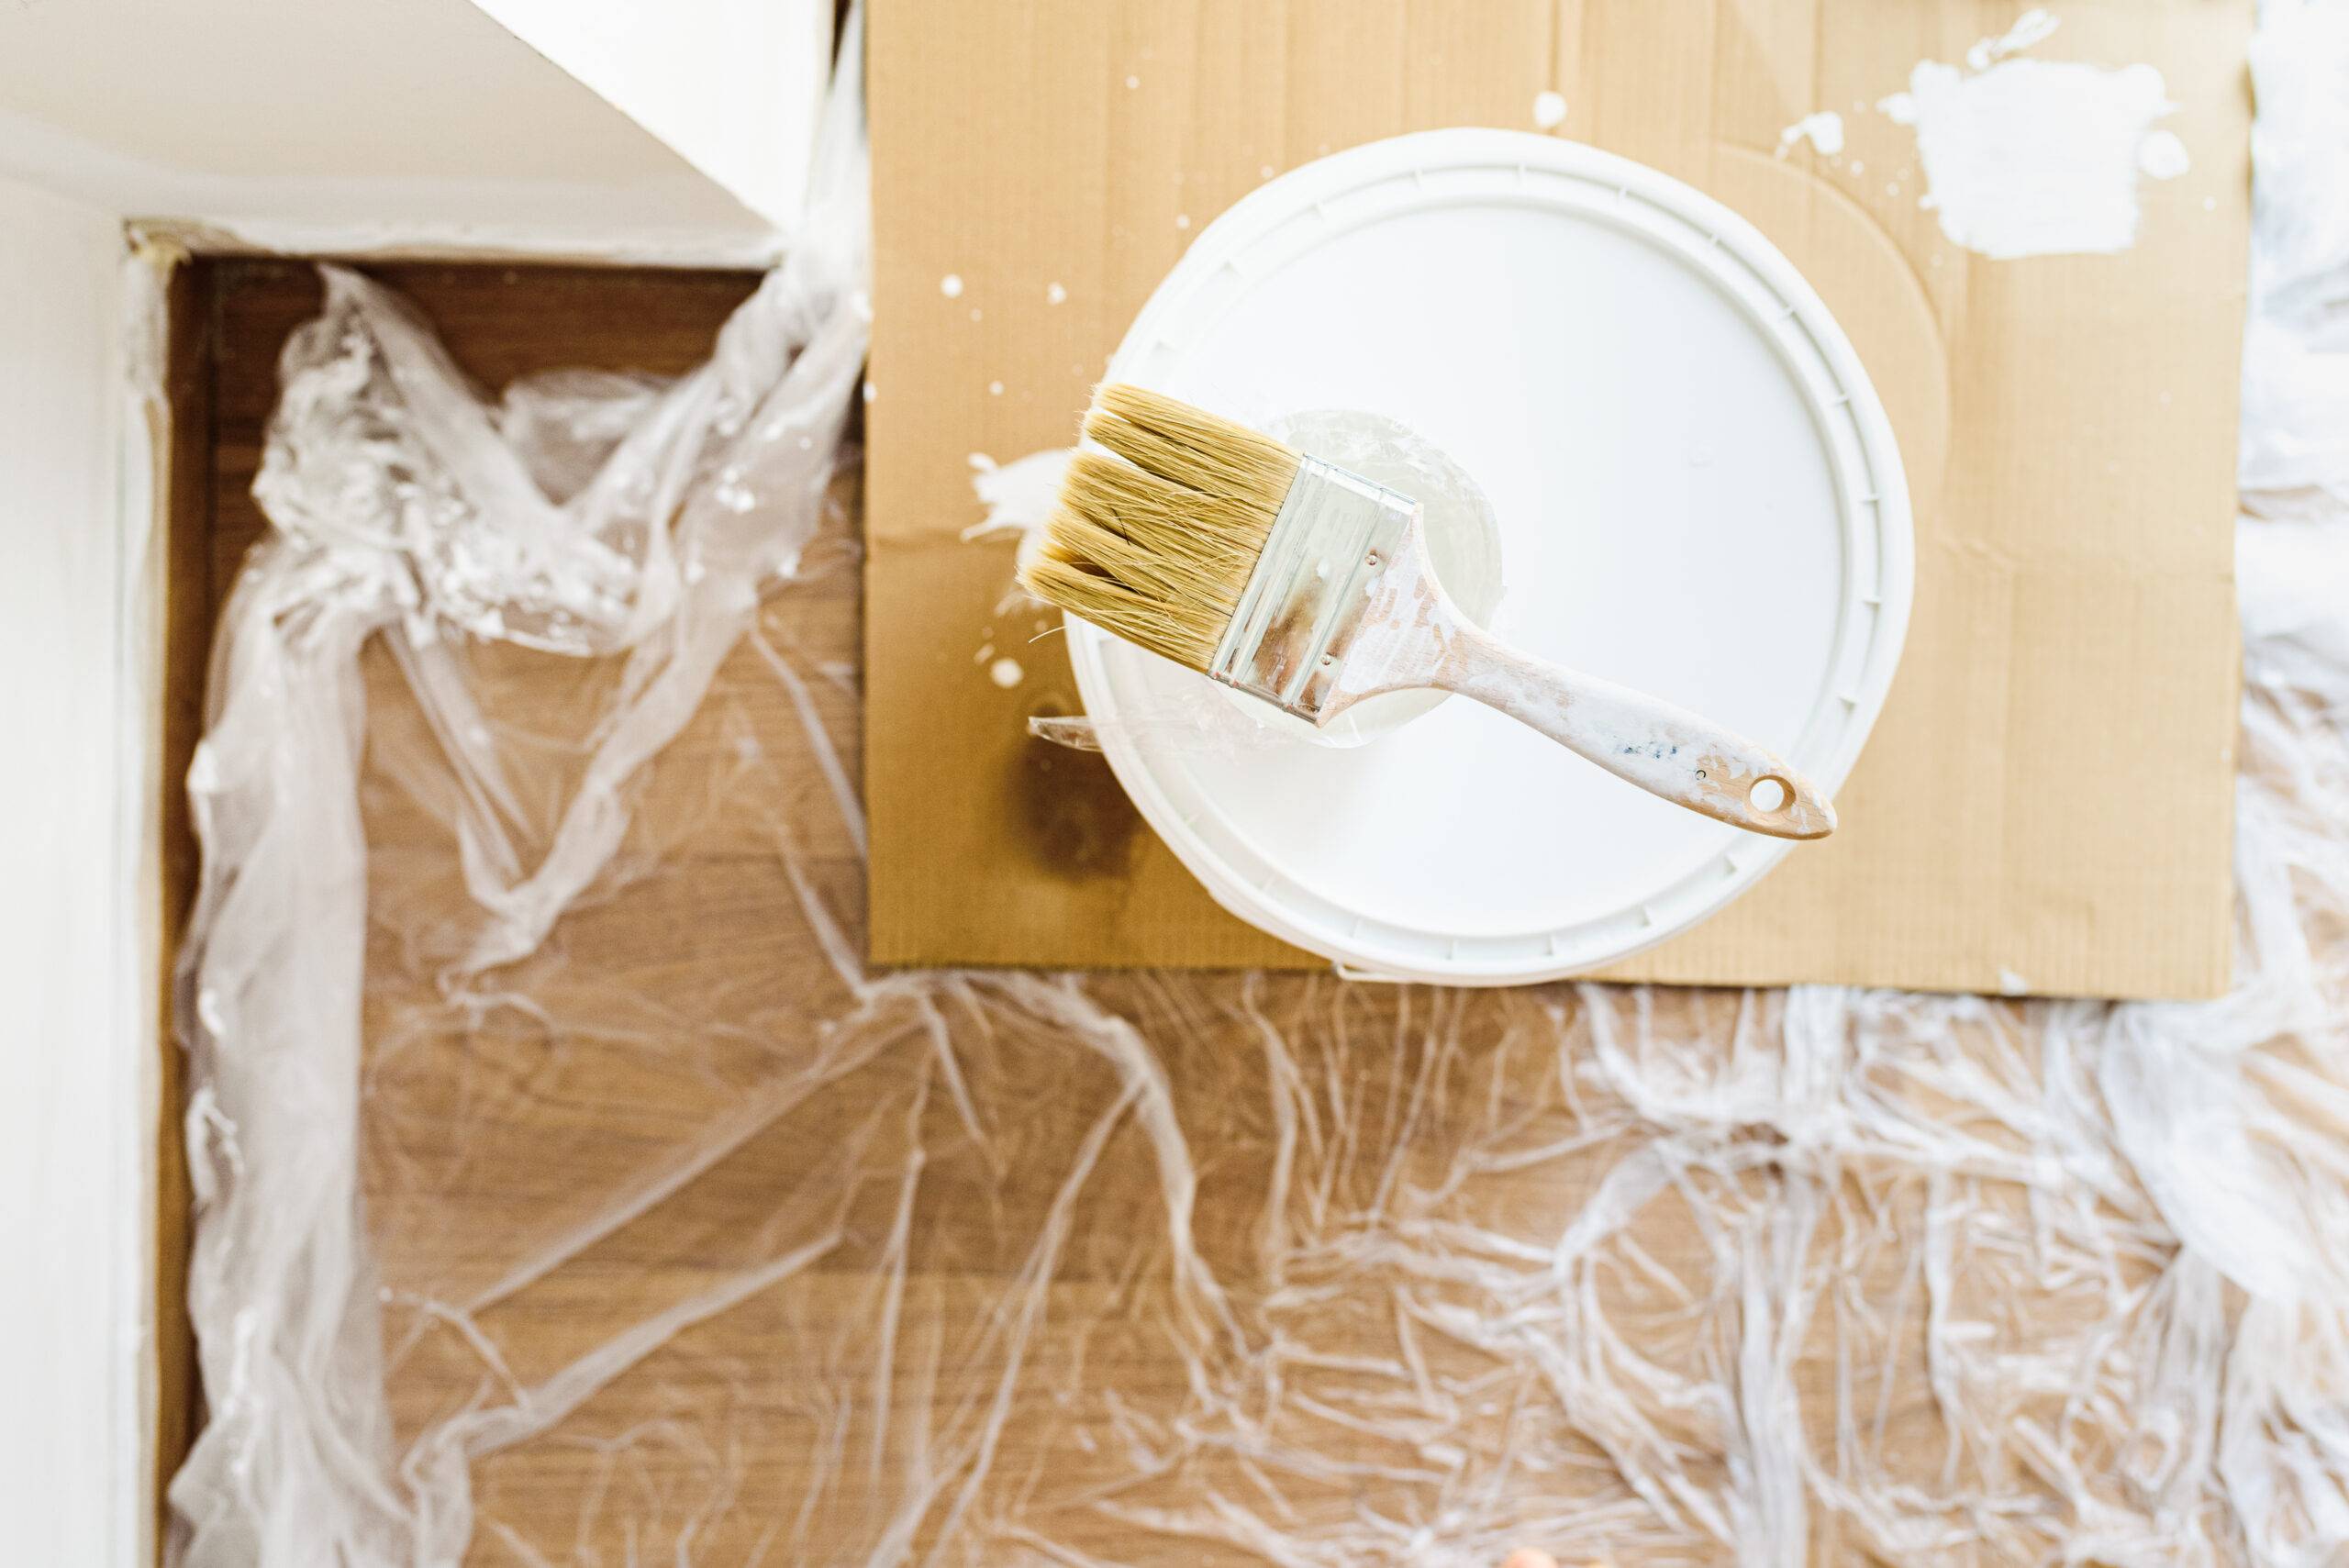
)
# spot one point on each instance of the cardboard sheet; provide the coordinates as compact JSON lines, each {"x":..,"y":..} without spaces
{"x":2046,"y":802}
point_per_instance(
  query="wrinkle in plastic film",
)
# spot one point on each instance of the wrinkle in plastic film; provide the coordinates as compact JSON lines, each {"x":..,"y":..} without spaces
{"x":569,"y":1192}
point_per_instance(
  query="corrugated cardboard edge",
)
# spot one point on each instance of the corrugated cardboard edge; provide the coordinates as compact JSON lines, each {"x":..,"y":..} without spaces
{"x":940,"y":899}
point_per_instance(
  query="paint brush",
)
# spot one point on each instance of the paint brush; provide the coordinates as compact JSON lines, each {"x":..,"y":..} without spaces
{"x":1312,"y":588}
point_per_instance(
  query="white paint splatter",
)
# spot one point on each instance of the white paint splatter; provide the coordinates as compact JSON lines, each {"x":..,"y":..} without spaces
{"x":1055,"y":295}
{"x":2162,"y":156}
{"x":2033,"y":27}
{"x":2034,"y":158}
{"x":1018,"y":495}
{"x":1181,"y":220}
{"x":1006,"y":673}
{"x":1823,"y":130}
{"x":994,"y":389}
{"x":1549,"y":110}
{"x":1132,"y":82}
{"x":950,"y":285}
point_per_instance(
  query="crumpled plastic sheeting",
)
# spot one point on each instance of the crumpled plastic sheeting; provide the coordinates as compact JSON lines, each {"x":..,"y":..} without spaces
{"x":569,"y":1192}
{"x":597,"y":519}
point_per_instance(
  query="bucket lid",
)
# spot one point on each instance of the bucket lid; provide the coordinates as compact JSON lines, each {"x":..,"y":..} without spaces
{"x":1699,"y":496}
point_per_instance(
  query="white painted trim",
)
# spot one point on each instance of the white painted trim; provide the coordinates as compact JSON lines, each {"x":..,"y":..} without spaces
{"x":78,"y":1078}
{"x":682,"y":221}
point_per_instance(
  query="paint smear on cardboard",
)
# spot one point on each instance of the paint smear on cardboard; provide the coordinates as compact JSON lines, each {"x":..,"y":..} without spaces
{"x":2162,"y":156}
{"x":1016,"y":494}
{"x":1823,"y":130}
{"x":2034,"y":158}
{"x":2033,"y":27}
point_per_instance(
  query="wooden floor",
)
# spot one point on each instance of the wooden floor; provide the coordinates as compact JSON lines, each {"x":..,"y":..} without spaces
{"x":698,"y":1244}
{"x":229,"y":319}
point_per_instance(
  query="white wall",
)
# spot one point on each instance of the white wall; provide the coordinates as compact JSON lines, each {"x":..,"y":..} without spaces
{"x":734,"y":86}
{"x":76,"y":970}
{"x":401,"y":121}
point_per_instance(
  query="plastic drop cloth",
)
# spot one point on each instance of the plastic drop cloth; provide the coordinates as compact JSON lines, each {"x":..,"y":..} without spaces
{"x":568,"y":1193}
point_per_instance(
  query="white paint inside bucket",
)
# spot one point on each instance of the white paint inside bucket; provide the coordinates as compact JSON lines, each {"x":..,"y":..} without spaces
{"x":1463,"y":542}
{"x":1696,"y":495}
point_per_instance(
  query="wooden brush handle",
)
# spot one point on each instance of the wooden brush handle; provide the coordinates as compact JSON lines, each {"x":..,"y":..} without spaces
{"x":1666,"y":751}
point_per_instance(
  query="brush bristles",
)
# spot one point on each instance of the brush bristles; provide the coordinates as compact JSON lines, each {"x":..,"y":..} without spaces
{"x":1155,"y":543}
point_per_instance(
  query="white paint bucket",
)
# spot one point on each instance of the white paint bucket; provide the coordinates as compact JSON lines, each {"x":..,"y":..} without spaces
{"x":1698,"y":497}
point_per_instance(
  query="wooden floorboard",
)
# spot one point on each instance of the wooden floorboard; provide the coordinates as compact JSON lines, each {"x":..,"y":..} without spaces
{"x":230,"y":318}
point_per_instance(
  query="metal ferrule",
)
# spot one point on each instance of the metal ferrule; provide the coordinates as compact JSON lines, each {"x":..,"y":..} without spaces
{"x":1335,"y":533}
